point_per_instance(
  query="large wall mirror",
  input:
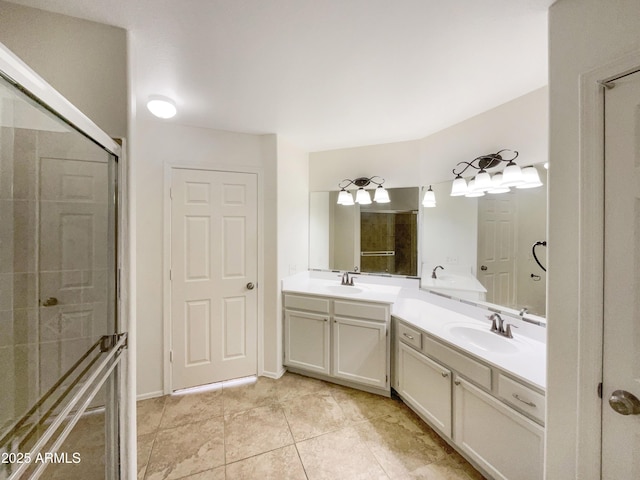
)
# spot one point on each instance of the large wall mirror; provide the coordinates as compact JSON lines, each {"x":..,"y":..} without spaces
{"x":375,"y":238}
{"x":489,"y":239}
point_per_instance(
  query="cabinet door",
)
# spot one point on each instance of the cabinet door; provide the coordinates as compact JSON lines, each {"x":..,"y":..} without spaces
{"x":505,"y":443}
{"x":306,"y":341}
{"x":426,"y":386}
{"x":360,"y":351}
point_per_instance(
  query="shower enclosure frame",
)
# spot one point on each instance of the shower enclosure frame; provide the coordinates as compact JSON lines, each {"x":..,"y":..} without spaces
{"x":122,"y":429}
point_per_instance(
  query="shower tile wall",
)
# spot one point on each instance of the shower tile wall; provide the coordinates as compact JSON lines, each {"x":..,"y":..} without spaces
{"x":18,"y":282}
{"x":42,"y":194}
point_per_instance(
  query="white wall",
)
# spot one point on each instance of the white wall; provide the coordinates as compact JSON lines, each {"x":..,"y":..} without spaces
{"x":85,"y":61}
{"x":158,"y":144}
{"x":521,"y":124}
{"x":319,"y":230}
{"x":398,"y":163}
{"x":449,"y":235}
{"x":584,"y":35}
{"x":292,"y":234}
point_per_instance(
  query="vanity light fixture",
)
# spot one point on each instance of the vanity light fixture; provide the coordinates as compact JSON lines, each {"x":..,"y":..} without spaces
{"x":483,"y":182}
{"x":429,"y":199}
{"x":363,"y":197}
{"x":161,"y":107}
{"x":531,"y":178}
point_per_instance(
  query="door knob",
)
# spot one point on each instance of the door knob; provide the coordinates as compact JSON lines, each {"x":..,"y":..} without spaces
{"x":50,"y":302}
{"x":484,"y":268}
{"x":625,"y":403}
{"x":250,"y":286}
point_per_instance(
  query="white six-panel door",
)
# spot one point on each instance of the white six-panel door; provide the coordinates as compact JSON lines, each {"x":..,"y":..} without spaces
{"x":621,"y":352}
{"x":496,"y":247}
{"x":213,"y":276}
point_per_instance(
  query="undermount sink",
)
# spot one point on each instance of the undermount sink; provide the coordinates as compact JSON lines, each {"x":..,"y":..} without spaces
{"x":344,"y":289}
{"x":486,"y":340}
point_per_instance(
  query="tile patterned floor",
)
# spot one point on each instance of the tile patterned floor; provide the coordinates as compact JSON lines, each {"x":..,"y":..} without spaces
{"x":294,"y":428}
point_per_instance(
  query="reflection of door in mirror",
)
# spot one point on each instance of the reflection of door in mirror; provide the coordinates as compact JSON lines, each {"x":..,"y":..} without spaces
{"x":496,"y":248}
{"x":389,"y":242}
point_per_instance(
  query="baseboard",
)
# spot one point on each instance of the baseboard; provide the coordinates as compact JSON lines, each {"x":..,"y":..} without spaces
{"x":146,"y":396}
{"x":274,"y":375}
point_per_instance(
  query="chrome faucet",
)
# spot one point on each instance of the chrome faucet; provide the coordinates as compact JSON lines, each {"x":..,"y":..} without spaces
{"x":433,"y":274}
{"x":497,"y":326}
{"x":346,"y":280}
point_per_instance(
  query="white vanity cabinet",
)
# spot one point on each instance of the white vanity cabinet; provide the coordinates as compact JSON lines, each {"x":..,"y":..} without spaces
{"x":338,"y":340}
{"x":426,"y":386}
{"x":493,"y":419}
{"x":501,"y":441}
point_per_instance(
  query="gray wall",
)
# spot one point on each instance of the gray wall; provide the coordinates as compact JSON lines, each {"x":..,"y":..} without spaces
{"x":85,"y":61}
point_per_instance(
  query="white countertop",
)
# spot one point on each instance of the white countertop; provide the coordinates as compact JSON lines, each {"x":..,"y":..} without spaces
{"x":368,"y":292}
{"x":528,"y":364}
{"x":456,"y":281}
{"x":419,"y":309}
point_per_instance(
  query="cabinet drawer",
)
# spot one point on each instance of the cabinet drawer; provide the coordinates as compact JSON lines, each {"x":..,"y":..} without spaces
{"x":521,"y":397}
{"x":474,"y":371}
{"x":369,"y":311}
{"x":313,"y":304}
{"x":410,"y":336}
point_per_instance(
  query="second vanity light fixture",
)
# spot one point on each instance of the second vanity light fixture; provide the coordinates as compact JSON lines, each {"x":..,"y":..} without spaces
{"x":362,"y":196}
{"x":501,"y":182}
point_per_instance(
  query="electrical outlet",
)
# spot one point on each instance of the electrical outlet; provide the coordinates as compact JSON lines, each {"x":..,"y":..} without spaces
{"x":293,"y":269}
{"x":452,"y":260}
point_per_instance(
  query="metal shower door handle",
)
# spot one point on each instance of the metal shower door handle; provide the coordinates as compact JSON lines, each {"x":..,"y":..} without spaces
{"x":250,"y":286}
{"x":624,"y":403}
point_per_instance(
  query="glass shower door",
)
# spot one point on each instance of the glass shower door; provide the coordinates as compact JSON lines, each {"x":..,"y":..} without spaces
{"x":61,"y":341}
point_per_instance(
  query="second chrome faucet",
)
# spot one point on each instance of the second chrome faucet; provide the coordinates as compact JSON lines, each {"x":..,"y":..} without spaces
{"x":497,"y":326}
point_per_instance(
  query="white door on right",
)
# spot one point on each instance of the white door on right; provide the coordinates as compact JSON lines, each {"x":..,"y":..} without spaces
{"x":621,"y":365}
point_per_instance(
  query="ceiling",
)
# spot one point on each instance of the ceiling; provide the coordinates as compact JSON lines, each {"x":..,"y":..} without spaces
{"x":328,"y":73}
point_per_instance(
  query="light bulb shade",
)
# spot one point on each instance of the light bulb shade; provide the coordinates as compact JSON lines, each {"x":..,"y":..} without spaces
{"x":161,"y":107}
{"x":429,"y":199}
{"x":381,"y":195}
{"x":458,"y":187}
{"x":482,"y":182}
{"x":496,"y":185}
{"x":472,"y":192}
{"x":363,"y":197}
{"x":531,"y":178}
{"x":512,"y":175}
{"x":345,"y":198}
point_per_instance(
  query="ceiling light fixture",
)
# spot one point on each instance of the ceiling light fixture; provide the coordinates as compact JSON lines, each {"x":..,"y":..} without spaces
{"x":161,"y":107}
{"x":363,"y":197}
{"x":483,"y":182}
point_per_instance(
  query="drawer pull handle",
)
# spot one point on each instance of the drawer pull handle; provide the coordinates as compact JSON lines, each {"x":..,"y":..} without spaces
{"x":444,"y":374}
{"x":526,"y":402}
{"x":410,"y":337}
{"x":457,"y":382}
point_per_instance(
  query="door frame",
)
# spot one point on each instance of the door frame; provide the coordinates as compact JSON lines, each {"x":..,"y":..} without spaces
{"x":166,"y":262}
{"x":588,"y":459}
